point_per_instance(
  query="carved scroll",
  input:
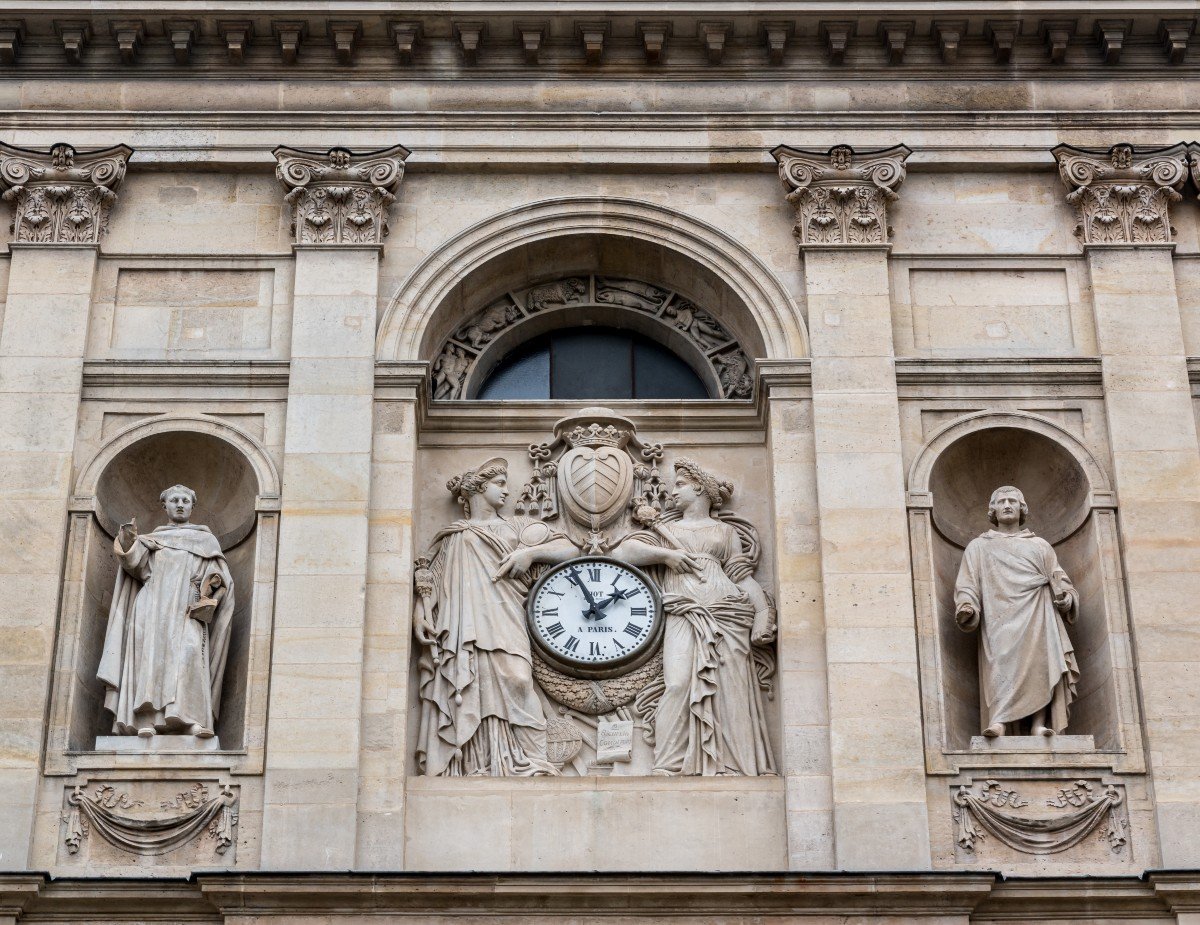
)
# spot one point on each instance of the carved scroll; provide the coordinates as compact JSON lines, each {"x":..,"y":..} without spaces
{"x":338,"y":196}
{"x":841,"y":195}
{"x":62,"y":196}
{"x":988,"y":809}
{"x":1121,"y":195}
{"x":191,"y":814}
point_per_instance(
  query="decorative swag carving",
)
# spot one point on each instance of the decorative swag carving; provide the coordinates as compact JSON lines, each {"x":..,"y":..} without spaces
{"x":190,"y":814}
{"x":988,"y":810}
{"x":459,"y":356}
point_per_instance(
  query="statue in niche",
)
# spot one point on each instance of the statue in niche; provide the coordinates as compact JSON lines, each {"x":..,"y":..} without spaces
{"x":1011,"y":588}
{"x":710,"y":718}
{"x":480,"y":712}
{"x":168,"y":626}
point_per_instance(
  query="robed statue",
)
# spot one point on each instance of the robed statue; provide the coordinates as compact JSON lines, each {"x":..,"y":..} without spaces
{"x":480,"y":710}
{"x":1012,"y":590}
{"x":168,"y":626}
{"x":710,"y":719}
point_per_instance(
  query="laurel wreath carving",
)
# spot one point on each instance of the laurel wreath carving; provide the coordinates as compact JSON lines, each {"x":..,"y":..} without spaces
{"x":595,"y":697}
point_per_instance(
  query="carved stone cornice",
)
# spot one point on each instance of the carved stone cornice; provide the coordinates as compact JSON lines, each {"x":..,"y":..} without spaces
{"x":1122,"y":195}
{"x":841,"y":195}
{"x":61,"y":196}
{"x":339,"y":197}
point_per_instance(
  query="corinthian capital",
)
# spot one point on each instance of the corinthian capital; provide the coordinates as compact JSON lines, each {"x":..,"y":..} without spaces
{"x":337,"y":196}
{"x":1122,"y":195}
{"x":61,"y":196}
{"x":841,"y":195}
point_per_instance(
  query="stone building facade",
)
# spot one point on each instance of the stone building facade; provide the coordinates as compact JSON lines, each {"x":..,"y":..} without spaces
{"x":285,"y":253}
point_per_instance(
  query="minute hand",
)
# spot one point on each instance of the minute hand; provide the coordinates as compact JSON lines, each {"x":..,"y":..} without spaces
{"x":574,"y":576}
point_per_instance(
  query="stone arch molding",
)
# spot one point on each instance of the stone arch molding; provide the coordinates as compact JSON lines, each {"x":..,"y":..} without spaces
{"x":406,"y":321}
{"x":1099,"y":493}
{"x":265,"y":472}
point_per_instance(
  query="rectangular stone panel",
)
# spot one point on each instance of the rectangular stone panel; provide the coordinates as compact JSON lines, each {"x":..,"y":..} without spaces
{"x":193,"y":309}
{"x":991,"y":311}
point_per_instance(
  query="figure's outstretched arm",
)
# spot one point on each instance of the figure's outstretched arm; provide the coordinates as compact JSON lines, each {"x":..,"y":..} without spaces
{"x":518,"y":562}
{"x":641,"y":553}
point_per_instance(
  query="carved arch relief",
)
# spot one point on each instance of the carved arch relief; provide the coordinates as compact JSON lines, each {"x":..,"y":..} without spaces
{"x":473,"y":349}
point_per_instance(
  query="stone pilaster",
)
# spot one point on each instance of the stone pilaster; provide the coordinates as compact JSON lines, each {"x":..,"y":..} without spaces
{"x":339,"y":203}
{"x":1122,"y":198}
{"x":877,"y":764}
{"x":62,"y":200}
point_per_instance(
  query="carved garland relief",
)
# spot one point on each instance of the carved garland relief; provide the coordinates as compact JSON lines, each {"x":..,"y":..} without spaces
{"x":555,"y":616}
{"x":460,"y":354}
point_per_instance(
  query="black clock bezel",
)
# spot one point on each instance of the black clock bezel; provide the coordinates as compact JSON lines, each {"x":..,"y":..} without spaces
{"x":588,"y":670}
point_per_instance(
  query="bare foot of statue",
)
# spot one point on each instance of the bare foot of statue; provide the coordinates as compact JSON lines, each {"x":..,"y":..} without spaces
{"x":994,"y":730}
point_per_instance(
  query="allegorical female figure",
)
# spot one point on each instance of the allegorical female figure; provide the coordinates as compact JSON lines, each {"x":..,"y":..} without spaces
{"x":710,"y":719}
{"x":480,"y":712}
{"x":168,"y":626}
{"x":1010,"y":587}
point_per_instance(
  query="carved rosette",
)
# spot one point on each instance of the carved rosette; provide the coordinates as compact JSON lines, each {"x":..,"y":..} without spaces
{"x":61,"y":196}
{"x":339,"y":197}
{"x":1121,"y":195}
{"x":841,"y":195}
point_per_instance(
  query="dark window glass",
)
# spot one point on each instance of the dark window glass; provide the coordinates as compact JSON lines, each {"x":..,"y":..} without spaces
{"x":592,"y":363}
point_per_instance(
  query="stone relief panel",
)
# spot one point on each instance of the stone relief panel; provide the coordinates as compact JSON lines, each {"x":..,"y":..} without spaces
{"x":464,"y":358}
{"x":1122,"y":195}
{"x":1047,"y":820}
{"x":339,"y":196}
{"x":841,"y":195}
{"x":611,"y":625}
{"x":62,"y":196}
{"x":148,"y":823}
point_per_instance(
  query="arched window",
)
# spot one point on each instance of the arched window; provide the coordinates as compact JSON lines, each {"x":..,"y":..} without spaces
{"x":591,"y":337}
{"x":592,"y":363}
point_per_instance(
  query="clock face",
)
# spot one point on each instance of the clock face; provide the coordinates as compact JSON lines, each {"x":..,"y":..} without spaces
{"x":595,"y":616}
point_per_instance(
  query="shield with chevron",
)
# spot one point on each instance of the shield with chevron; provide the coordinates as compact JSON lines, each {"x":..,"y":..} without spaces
{"x":595,"y":483}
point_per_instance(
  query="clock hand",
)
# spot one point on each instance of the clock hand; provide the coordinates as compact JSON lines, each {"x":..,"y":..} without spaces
{"x":573,"y":574}
{"x":618,"y":595}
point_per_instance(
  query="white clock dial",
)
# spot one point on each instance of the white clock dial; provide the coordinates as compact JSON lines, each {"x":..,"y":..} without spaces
{"x":594,"y":614}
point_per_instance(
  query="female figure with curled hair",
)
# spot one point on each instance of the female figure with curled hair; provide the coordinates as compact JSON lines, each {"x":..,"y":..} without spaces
{"x":710,"y":719}
{"x":168,"y":626}
{"x":480,"y":712}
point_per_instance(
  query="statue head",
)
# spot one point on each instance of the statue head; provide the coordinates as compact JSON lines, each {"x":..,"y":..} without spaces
{"x":488,"y":482}
{"x":1006,"y":503}
{"x":692,"y":482}
{"x":178,"y":501}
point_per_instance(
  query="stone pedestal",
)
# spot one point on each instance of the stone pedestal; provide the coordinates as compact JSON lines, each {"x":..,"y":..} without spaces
{"x":135,"y":745}
{"x":1057,"y":744}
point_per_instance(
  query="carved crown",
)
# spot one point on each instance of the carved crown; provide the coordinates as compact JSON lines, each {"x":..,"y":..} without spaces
{"x":595,"y":435}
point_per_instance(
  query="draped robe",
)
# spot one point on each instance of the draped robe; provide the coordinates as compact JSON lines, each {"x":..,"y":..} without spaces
{"x":480,"y":712}
{"x":1026,"y":660}
{"x":160,"y":666}
{"x":710,"y":719}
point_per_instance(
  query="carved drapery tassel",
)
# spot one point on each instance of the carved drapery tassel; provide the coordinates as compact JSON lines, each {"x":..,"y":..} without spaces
{"x":1122,"y":195}
{"x":841,"y":195}
{"x":61,"y":196}
{"x":338,"y":196}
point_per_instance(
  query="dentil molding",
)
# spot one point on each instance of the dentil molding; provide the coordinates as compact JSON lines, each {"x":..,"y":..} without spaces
{"x":338,"y":196}
{"x":1122,"y":195}
{"x":841,"y":195}
{"x":61,"y":196}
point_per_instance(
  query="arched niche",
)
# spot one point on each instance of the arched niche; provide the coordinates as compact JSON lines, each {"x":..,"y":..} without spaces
{"x":1071,"y":506}
{"x":237,"y":488}
{"x":578,"y":236}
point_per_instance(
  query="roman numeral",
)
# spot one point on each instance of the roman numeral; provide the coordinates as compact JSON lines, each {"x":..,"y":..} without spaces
{"x":633,"y":630}
{"x":555,"y":593}
{"x":637,"y":611}
{"x":571,"y":644}
{"x":550,"y":612}
{"x":617,"y":643}
{"x":632,"y":594}
{"x":555,"y":630}
{"x":593,"y":648}
{"x":593,"y":574}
